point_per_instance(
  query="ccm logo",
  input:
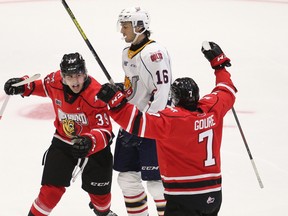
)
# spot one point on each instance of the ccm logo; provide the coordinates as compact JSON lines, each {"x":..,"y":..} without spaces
{"x":150,"y":168}
{"x":119,"y":95}
{"x":100,"y":184}
{"x":221,"y":57}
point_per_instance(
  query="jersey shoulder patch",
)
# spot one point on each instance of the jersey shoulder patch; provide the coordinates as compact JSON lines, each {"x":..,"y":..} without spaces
{"x":206,"y":102}
{"x":54,"y":79}
{"x":175,"y":112}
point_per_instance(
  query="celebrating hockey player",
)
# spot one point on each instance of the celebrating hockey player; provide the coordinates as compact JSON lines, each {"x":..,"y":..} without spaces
{"x":147,"y":82}
{"x":188,"y":137}
{"x":82,"y":139}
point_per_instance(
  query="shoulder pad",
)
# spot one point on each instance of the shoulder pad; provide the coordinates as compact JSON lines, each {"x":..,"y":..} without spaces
{"x":175,"y":112}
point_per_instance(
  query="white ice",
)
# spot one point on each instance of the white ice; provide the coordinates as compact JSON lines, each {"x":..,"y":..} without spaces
{"x":34,"y":36}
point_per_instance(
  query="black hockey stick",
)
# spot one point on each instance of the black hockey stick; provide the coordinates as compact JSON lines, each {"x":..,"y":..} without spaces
{"x":247,"y":148}
{"x":87,"y":42}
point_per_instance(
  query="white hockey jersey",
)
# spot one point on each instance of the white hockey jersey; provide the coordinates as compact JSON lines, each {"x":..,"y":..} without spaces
{"x":147,"y":75}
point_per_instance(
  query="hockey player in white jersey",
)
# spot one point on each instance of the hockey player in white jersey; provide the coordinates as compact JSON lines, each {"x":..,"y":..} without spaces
{"x":147,"y":82}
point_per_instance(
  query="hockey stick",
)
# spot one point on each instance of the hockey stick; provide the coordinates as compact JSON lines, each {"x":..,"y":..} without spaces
{"x":87,"y":42}
{"x":206,"y":46}
{"x":28,"y":80}
{"x":247,"y":148}
{"x":4,"y":106}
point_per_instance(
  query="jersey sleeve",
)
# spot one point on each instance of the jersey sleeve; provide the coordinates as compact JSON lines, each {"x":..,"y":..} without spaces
{"x":165,"y":123}
{"x":222,"y":97}
{"x":39,"y":87}
{"x":142,"y":124}
{"x":101,"y":128}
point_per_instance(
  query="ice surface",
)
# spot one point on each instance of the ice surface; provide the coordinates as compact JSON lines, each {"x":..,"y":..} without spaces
{"x":254,"y":34}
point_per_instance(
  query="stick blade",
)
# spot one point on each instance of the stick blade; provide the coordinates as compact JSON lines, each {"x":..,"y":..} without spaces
{"x":28,"y":80}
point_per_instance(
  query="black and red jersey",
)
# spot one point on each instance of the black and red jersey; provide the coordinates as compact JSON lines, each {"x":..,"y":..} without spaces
{"x":76,"y":114}
{"x":188,"y":142}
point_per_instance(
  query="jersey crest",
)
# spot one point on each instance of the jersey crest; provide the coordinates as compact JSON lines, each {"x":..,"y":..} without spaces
{"x":72,"y":124}
{"x":130,"y":86}
{"x":156,"y":57}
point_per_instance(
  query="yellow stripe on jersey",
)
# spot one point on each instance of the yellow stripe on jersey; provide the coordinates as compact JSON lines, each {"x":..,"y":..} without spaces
{"x":132,"y":53}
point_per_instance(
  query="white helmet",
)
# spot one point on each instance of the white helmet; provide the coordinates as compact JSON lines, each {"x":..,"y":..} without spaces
{"x":138,"y":18}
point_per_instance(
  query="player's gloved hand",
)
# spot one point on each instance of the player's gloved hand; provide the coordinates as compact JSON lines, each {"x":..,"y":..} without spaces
{"x":128,"y":140}
{"x":215,"y":55}
{"x":120,"y":86}
{"x":111,"y":95}
{"x":81,"y":146}
{"x":12,"y":90}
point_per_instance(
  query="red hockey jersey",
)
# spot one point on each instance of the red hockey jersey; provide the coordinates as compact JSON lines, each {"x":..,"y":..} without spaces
{"x":188,"y":143}
{"x":76,"y":114}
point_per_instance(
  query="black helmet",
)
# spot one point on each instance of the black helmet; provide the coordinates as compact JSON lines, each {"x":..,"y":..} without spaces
{"x":72,"y":63}
{"x":185,"y":93}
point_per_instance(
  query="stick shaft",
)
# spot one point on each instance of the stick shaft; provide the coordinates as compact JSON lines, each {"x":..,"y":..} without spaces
{"x":4,"y":106}
{"x":247,"y":148}
{"x":87,"y":42}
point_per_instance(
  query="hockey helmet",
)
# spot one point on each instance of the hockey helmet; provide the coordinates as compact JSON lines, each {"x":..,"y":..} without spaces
{"x":72,"y":63}
{"x":185,"y":93}
{"x":137,"y":16}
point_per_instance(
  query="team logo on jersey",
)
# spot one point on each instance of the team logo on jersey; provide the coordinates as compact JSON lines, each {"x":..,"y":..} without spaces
{"x":70,"y":128}
{"x":210,"y":200}
{"x":156,"y":57}
{"x":72,"y":124}
{"x":130,"y":86}
{"x":201,"y":114}
{"x":58,"y":102}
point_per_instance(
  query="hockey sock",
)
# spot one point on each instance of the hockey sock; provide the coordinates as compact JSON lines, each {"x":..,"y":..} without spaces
{"x":156,"y":189}
{"x":160,"y":205}
{"x":47,"y":199}
{"x":101,"y":203}
{"x":137,"y":205}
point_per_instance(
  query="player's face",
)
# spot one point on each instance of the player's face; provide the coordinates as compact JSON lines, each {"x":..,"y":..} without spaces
{"x":127,"y":32}
{"x":75,"y":81}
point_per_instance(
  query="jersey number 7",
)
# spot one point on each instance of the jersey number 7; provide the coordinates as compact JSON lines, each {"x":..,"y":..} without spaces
{"x":210,"y":160}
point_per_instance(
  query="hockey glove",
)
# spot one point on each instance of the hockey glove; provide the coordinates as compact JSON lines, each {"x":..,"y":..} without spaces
{"x":215,"y":55}
{"x":111,"y":95}
{"x":12,"y":90}
{"x":81,"y":146}
{"x":120,"y":86}
{"x":128,"y":140}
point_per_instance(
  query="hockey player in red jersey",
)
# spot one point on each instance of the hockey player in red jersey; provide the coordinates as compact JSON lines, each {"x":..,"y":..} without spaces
{"x":81,"y":142}
{"x":188,"y":137}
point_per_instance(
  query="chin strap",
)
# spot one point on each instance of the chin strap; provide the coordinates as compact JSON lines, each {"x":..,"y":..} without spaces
{"x":136,"y":37}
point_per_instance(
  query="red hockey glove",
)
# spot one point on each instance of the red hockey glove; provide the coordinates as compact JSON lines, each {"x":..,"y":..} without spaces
{"x":111,"y":95}
{"x":81,"y":146}
{"x":215,"y":55}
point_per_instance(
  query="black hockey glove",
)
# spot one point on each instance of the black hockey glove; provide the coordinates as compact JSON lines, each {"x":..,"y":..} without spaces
{"x":111,"y":95}
{"x":12,"y":90}
{"x":128,"y":140}
{"x":215,"y":55}
{"x":81,"y":146}
{"x":120,"y":86}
